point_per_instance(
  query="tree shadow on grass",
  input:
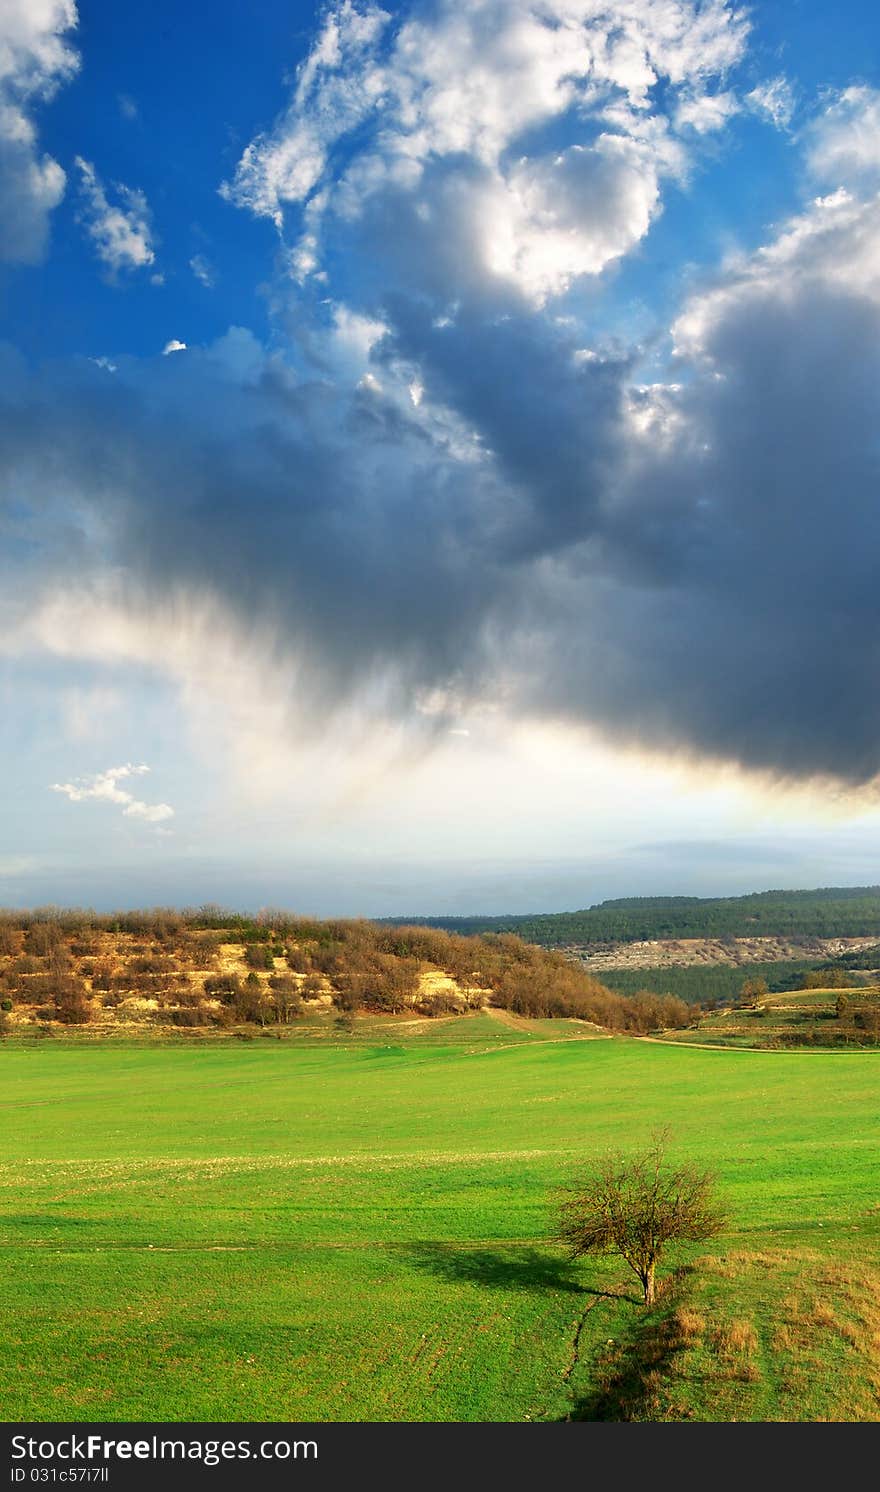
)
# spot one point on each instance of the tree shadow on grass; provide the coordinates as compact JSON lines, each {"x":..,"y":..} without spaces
{"x":630,"y":1374}
{"x":518,"y":1267}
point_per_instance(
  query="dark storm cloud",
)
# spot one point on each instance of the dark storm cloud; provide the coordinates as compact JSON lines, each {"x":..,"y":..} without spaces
{"x":552,"y":421}
{"x":748,"y":623}
{"x":326,"y":513}
{"x":686,"y":568}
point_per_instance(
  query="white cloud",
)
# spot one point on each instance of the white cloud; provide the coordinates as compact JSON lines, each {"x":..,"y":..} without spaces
{"x":337,"y":86}
{"x":203,"y":270}
{"x":353,"y":338}
{"x":774,"y":100}
{"x":706,"y":111}
{"x":35,"y":59}
{"x":457,"y":89}
{"x":844,"y":142}
{"x":173,"y":346}
{"x":104,"y":787}
{"x":553,"y":220}
{"x":121,"y":232}
{"x":834,"y":244}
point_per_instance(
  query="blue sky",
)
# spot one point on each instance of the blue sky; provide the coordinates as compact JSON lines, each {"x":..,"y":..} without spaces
{"x":438,"y":460}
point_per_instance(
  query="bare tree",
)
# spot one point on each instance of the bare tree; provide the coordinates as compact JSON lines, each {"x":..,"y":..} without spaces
{"x":634,"y":1205}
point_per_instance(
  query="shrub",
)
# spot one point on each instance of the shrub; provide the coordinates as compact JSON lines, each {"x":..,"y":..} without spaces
{"x":188,"y":997}
{"x":84,"y":947}
{"x":635,"y":1206}
{"x":151,"y":964}
{"x":225,"y":987}
{"x":9,"y":938}
{"x":286,"y":998}
{"x":41,"y":938}
{"x":26,"y":965}
{"x":440,"y":1003}
{"x":252,"y":1003}
{"x":71,"y":1005}
{"x":192,"y":1015}
{"x":258,"y":956}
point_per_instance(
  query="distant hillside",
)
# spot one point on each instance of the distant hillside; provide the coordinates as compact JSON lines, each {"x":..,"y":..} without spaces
{"x":218,"y":971}
{"x":834,"y":911}
{"x":814,"y":1017}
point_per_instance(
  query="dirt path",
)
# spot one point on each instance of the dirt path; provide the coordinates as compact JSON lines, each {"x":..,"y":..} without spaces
{"x":520,"y":1023}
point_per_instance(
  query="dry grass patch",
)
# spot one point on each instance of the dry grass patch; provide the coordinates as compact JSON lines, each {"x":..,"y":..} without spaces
{"x":737,"y":1336}
{"x":689,"y":1324}
{"x":821,"y":1314}
{"x":735,"y":1344}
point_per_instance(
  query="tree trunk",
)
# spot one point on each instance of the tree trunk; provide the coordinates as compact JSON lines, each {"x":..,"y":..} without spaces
{"x":648,"y":1282}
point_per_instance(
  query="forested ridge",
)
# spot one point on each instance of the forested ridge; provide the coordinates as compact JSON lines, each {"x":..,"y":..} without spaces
{"x":834,"y":911}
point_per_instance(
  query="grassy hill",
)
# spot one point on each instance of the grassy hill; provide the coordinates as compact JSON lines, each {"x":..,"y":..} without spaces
{"x":346,"y":1226}
{"x":800,"y":1018}
{"x":849,"y":911}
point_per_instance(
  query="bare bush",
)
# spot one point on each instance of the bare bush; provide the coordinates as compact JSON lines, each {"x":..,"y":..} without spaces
{"x":635,"y":1206}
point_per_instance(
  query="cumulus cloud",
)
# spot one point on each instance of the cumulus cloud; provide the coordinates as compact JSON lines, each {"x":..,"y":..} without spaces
{"x":36,"y":58}
{"x":703,"y":112}
{"x":437,"y":496}
{"x":844,"y":141}
{"x":554,"y":220}
{"x":442,"y":103}
{"x":104,"y":787}
{"x":121,"y":231}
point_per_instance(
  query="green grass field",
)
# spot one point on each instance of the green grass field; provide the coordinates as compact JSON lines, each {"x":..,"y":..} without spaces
{"x":334,"y":1228}
{"x":804,"y":1018}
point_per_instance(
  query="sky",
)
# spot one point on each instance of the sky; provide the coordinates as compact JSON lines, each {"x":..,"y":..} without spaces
{"x":438,"y":452}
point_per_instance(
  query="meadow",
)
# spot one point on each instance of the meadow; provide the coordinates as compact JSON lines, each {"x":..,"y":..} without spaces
{"x":355,"y":1227}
